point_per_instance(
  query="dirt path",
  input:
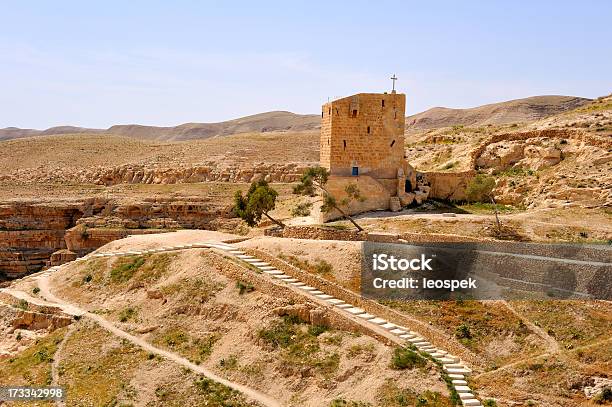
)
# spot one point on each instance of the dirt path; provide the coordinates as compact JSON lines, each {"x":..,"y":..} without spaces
{"x":55,"y":376}
{"x":253,"y":394}
{"x":551,"y":344}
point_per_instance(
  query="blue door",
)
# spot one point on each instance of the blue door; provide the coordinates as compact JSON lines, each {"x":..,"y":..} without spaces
{"x":355,"y":171}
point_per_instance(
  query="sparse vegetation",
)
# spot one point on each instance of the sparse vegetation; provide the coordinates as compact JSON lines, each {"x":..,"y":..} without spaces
{"x":406,"y":358}
{"x":218,"y":395}
{"x":127,"y":313}
{"x":196,"y":349}
{"x":302,"y":209}
{"x":125,"y":269}
{"x":299,"y":345}
{"x":244,"y":288}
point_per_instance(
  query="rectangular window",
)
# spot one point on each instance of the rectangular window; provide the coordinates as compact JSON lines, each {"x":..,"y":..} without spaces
{"x":383,"y":103}
{"x":344,"y":142}
{"x":368,"y":129}
{"x":355,"y":171}
{"x":354,"y":113}
{"x":392,"y":143}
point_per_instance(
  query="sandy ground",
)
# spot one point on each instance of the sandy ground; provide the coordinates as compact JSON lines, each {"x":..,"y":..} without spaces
{"x":137,"y":242}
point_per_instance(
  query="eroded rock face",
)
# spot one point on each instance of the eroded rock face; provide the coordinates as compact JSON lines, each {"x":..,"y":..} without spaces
{"x":534,"y":154}
{"x":35,"y":235}
{"x":140,"y":174}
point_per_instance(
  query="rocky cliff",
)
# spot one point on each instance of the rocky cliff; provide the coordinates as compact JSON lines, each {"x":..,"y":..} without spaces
{"x":36,"y":234}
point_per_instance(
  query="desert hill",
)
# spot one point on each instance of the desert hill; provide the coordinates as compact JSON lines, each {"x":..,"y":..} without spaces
{"x":263,"y":122}
{"x":512,"y":111}
{"x":519,"y":110}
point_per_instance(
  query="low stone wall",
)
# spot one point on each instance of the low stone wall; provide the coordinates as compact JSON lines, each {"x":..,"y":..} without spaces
{"x":318,"y":233}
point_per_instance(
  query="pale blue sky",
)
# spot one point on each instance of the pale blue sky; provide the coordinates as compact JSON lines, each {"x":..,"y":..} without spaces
{"x":100,"y":63}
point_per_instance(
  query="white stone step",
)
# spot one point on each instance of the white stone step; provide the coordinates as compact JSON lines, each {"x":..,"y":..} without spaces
{"x":273,"y":272}
{"x":201,"y":245}
{"x":324,"y":296}
{"x":335,"y":301}
{"x":267,"y":268}
{"x":378,"y":321}
{"x":456,"y":376}
{"x":448,"y":359}
{"x":280,"y":276}
{"x":455,"y":366}
{"x":236,"y":252}
{"x":463,"y":389}
{"x":308,"y":288}
{"x":454,"y":370}
{"x":244,"y":257}
{"x":407,"y":336}
{"x":366,"y":316}
{"x":298,"y":284}
{"x":355,"y":311}
{"x":466,"y":396}
{"x":471,"y":403}
{"x":389,"y":325}
{"x":426,"y":348}
{"x":397,"y":331}
{"x":344,"y":306}
{"x":421,"y":343}
{"x":459,"y":382}
{"x":291,"y":280}
{"x":415,"y":340}
{"x":259,"y":263}
{"x":317,"y":292}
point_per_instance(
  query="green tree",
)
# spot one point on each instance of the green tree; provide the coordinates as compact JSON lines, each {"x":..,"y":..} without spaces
{"x":315,"y":179}
{"x":480,"y":189}
{"x":258,"y":202}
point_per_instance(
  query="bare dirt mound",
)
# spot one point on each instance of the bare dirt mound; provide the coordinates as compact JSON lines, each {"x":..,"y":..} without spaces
{"x":519,"y":110}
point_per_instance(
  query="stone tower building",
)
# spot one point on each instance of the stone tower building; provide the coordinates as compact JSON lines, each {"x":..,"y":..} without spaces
{"x":362,"y":142}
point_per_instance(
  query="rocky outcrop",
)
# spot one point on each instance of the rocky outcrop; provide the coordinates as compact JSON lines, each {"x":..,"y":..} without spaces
{"x":140,"y":174}
{"x":34,"y":235}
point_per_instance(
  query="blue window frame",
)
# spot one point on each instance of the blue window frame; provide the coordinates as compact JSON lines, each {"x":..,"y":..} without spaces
{"x":355,"y":171}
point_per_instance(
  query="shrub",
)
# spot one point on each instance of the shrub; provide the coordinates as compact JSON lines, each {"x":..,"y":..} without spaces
{"x":35,"y":290}
{"x":316,"y":330}
{"x":406,"y":358}
{"x":87,"y":278}
{"x":127,"y":314}
{"x":302,"y":209}
{"x":244,"y":287}
{"x":489,"y":403}
{"x":463,"y":332}
{"x":323,"y":267}
{"x":604,"y":397}
{"x":23,"y":304}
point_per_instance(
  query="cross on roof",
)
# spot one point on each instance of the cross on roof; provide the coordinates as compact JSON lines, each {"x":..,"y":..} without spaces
{"x":394,"y":78}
